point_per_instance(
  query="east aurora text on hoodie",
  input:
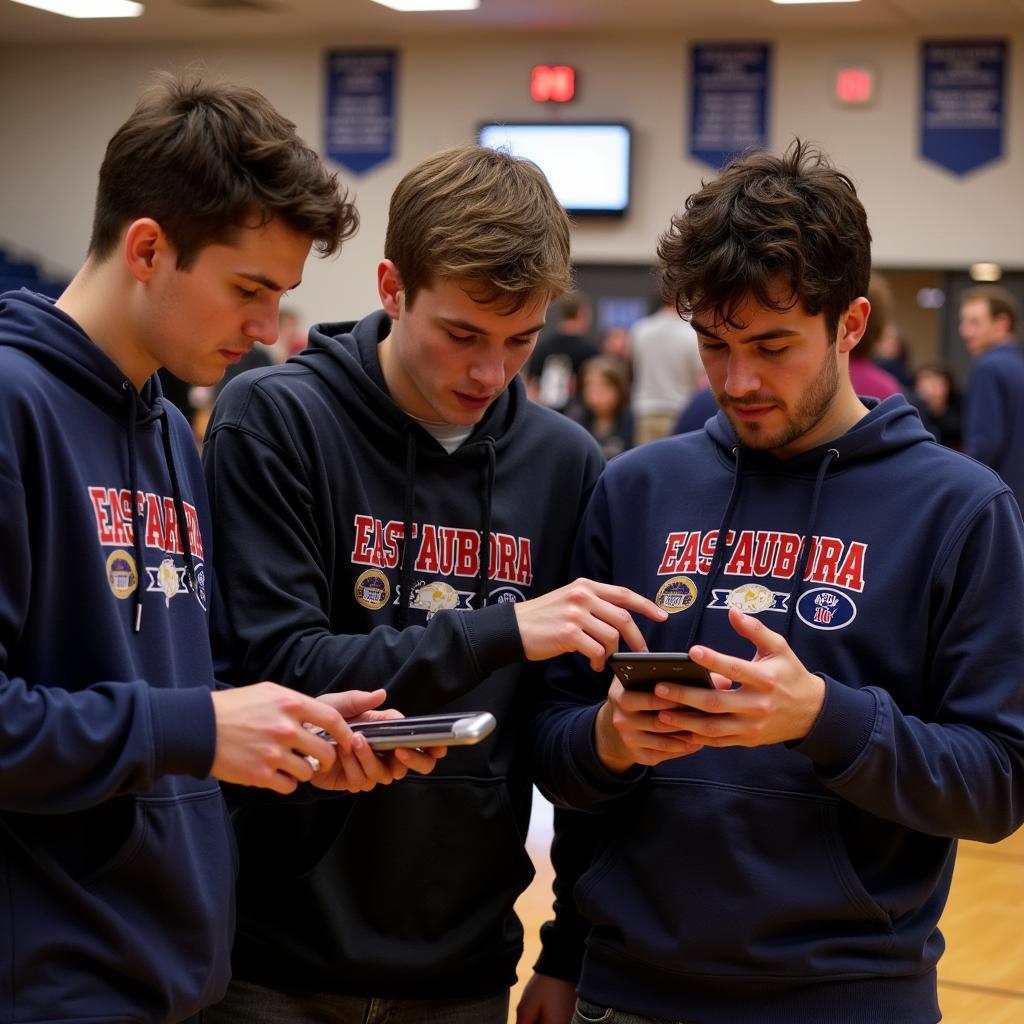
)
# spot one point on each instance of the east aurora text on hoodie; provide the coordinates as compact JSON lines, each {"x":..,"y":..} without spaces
{"x":801,"y":882}
{"x":316,"y":478}
{"x":116,"y":858}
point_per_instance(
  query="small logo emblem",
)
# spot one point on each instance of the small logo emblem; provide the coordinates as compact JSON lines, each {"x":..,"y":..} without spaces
{"x":372,"y":589}
{"x":823,"y":608}
{"x":676,"y":594}
{"x":168,"y":579}
{"x":433,"y":597}
{"x":121,"y":574}
{"x":751,"y":598}
{"x":505,"y":595}
{"x":200,"y":580}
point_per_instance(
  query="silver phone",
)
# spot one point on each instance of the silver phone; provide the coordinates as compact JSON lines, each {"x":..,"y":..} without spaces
{"x":458,"y":729}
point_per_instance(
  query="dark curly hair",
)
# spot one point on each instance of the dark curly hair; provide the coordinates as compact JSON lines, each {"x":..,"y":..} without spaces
{"x":777,"y":230}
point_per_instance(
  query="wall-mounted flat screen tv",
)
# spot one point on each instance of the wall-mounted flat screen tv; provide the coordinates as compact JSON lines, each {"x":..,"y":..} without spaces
{"x":586,"y":163}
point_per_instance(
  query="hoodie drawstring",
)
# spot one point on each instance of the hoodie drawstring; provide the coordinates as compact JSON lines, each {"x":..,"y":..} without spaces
{"x":718,"y":559}
{"x":179,"y":507}
{"x":805,"y":547}
{"x":136,"y":521}
{"x":406,"y":567}
{"x":484,"y":576}
{"x":410,"y":493}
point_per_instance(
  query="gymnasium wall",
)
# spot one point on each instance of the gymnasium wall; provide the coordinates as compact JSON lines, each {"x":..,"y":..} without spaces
{"x":58,"y":105}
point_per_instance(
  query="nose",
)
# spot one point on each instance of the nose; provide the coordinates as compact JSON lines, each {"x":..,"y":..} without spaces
{"x":488,"y":373}
{"x":741,"y":377}
{"x":262,"y":327}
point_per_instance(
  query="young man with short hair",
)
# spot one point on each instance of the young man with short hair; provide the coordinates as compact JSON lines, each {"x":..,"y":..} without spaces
{"x":116,"y":858}
{"x":993,"y":426}
{"x":779,"y":846}
{"x":391,"y":510}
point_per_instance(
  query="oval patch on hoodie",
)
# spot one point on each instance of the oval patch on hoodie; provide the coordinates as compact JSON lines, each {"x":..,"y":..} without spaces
{"x":825,"y":608}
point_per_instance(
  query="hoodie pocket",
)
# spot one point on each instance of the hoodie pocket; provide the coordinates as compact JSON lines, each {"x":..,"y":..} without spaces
{"x":703,"y":877}
{"x":158,"y":909}
{"x":419,"y":879}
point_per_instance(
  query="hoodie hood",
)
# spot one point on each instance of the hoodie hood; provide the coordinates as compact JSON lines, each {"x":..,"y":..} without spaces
{"x":889,"y":425}
{"x":34,"y":325}
{"x":344,"y":354}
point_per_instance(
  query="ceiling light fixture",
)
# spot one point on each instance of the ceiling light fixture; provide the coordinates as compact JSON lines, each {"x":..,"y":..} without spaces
{"x":986,"y":271}
{"x":815,"y":1}
{"x":408,"y":6}
{"x":87,"y":8}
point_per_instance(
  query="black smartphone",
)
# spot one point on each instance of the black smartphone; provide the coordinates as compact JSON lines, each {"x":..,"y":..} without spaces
{"x":642,"y":671}
{"x":459,"y":729}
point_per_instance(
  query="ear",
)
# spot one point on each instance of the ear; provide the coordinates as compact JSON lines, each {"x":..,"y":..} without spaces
{"x":145,"y":247}
{"x":853,"y":323}
{"x":389,"y":288}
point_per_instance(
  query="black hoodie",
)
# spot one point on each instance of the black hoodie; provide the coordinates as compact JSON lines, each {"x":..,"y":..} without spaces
{"x":315,"y":477}
{"x":116,"y":856}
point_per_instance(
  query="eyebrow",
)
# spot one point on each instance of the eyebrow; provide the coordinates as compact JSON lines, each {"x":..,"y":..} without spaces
{"x":773,"y":335}
{"x":473,"y":329}
{"x":267,"y":282}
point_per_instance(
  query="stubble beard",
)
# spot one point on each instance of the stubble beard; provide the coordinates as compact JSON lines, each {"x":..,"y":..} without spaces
{"x":811,"y":409}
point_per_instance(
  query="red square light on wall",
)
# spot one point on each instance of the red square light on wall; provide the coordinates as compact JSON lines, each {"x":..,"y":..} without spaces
{"x":552,"y":84}
{"x":855,"y":87}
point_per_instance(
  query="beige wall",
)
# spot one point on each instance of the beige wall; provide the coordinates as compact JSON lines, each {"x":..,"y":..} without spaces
{"x":59,"y":105}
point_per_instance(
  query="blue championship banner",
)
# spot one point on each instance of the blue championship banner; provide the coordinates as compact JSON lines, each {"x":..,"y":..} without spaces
{"x":963,"y":103}
{"x":728,"y":100}
{"x":360,"y":108}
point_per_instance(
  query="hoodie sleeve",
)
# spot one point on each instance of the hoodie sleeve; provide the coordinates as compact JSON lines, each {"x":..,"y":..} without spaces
{"x":960,"y":773}
{"x":273,"y":565}
{"x":569,"y":772}
{"x":65,"y":750}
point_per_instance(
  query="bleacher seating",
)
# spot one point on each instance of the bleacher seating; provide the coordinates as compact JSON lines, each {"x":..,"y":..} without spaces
{"x":19,"y":273}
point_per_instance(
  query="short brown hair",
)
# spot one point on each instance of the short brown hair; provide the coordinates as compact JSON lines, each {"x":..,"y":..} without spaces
{"x":482,"y":216}
{"x":1000,"y":302}
{"x":765,"y":220}
{"x":205,"y":160}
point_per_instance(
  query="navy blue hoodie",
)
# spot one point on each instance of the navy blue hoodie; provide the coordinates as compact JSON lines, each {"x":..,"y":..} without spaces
{"x":116,"y":858}
{"x":801,"y":882}
{"x":316,"y":476}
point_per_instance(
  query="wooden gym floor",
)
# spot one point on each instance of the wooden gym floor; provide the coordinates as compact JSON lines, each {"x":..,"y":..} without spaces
{"x":981,"y":975}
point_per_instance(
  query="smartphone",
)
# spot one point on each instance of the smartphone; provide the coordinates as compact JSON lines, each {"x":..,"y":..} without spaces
{"x":459,"y":729}
{"x":642,"y":671}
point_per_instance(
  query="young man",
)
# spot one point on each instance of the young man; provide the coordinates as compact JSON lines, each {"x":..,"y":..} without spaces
{"x":392,"y":511}
{"x":779,"y":847}
{"x":993,"y":428}
{"x":116,"y":858}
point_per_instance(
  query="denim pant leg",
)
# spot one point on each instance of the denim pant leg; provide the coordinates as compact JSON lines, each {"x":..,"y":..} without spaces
{"x":589,"y":1013}
{"x":489,"y":1010}
{"x":248,"y":1003}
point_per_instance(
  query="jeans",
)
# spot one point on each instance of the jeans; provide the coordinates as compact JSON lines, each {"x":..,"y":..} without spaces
{"x":247,"y":1003}
{"x":588,"y":1013}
